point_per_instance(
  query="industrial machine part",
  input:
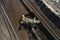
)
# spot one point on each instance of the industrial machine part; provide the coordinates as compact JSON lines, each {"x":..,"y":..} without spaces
{"x":53,"y":5}
{"x":33,"y":29}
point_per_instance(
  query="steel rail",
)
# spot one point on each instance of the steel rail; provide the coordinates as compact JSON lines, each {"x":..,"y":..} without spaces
{"x":45,"y":21}
{"x":9,"y":22}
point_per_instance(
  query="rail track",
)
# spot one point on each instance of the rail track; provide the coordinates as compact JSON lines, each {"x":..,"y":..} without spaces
{"x":45,"y":21}
{"x":10,"y":28}
{"x":48,"y":28}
